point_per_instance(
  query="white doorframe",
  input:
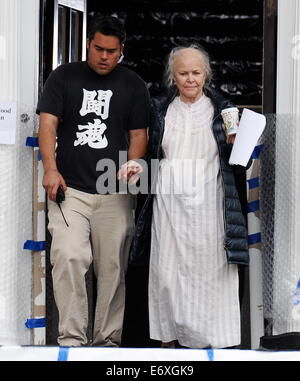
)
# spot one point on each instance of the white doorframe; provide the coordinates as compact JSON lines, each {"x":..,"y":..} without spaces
{"x":288,"y":57}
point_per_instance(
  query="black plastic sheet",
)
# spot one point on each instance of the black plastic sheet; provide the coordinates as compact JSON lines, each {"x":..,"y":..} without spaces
{"x":230,"y":30}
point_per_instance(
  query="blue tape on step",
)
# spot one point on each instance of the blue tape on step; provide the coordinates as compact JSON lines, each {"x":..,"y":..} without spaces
{"x":32,"y":141}
{"x":35,"y":245}
{"x":210,"y":354}
{"x":35,"y":323}
{"x":63,"y":354}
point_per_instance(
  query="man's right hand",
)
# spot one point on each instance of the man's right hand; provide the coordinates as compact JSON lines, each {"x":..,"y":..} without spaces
{"x":51,"y":181}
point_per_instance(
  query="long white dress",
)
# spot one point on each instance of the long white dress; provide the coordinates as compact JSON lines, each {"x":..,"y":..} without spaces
{"x":193,"y":292}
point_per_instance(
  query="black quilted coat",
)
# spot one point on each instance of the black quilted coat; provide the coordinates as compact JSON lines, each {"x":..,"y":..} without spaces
{"x":235,"y":240}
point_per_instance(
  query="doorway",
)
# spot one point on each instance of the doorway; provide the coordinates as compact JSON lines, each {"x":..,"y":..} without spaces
{"x":238,"y":35}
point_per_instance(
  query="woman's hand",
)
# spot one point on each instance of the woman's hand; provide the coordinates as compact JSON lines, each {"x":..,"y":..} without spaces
{"x":229,"y":138}
{"x":129,"y":172}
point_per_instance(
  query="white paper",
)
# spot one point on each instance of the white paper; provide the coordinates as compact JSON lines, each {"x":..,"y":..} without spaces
{"x":250,"y":129}
{"x":8,"y":111}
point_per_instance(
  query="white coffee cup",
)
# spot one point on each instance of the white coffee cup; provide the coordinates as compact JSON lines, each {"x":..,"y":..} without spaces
{"x":231,"y":119}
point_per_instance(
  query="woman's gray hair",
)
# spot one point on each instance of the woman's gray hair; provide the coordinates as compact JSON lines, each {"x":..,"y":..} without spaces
{"x":170,"y":61}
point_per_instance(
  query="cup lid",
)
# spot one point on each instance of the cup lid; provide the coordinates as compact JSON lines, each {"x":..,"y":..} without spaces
{"x":229,"y":109}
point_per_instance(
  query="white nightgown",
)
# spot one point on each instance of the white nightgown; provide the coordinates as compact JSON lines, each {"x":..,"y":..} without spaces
{"x":193,"y":291}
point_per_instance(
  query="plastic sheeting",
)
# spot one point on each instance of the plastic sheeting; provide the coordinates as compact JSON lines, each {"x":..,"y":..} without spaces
{"x":230,"y":30}
{"x":16,"y":171}
{"x":280,"y":227}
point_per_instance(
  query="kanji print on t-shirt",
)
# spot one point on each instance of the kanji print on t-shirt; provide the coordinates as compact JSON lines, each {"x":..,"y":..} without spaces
{"x":96,"y":102}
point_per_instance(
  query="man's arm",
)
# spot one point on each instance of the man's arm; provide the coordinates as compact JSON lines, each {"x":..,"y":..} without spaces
{"x":47,"y":142}
{"x":137,"y":149}
{"x":138,"y":143}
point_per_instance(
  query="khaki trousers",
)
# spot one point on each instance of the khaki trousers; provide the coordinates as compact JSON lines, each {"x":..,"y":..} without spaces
{"x":100,"y":231}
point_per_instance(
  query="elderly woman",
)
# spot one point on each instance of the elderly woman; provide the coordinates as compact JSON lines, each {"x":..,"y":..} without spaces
{"x":198,"y":232}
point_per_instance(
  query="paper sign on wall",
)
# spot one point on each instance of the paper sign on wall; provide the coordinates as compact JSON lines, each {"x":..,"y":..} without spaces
{"x":8,"y":113}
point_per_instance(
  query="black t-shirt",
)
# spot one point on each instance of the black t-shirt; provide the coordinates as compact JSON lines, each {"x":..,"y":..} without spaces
{"x":96,"y":112}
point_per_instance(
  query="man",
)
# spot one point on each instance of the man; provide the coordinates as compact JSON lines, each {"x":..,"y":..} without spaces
{"x":93,"y":110}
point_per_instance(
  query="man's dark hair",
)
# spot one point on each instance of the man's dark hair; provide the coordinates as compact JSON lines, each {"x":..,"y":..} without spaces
{"x":107,"y":25}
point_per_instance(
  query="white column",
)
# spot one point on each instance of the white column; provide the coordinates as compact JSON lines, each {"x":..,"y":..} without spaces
{"x":19,"y":38}
{"x":288,"y":57}
{"x":286,"y":262}
{"x":255,"y":266}
{"x":10,"y":41}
